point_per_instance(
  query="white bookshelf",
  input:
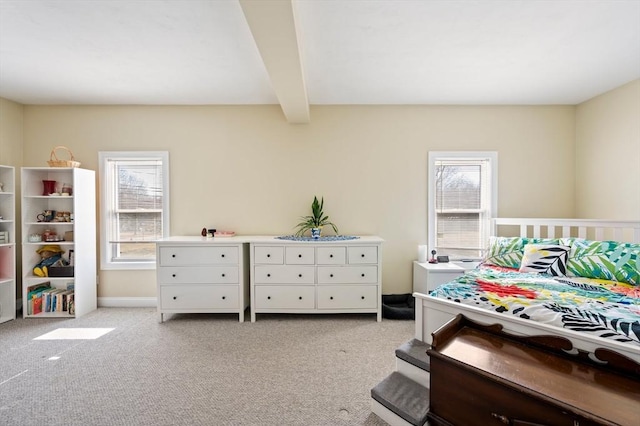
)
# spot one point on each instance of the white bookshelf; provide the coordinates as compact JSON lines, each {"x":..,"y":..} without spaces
{"x":7,"y":244}
{"x":81,"y":206}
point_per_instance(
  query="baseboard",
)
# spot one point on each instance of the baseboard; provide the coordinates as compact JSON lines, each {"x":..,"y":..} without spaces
{"x":127,"y":302}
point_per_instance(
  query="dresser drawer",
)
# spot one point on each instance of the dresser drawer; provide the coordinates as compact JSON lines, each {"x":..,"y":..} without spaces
{"x":281,"y":274}
{"x":299,"y":256}
{"x":499,"y":405}
{"x":347,"y":274}
{"x":194,"y":296}
{"x":332,"y":255}
{"x":348,"y":297}
{"x":363,"y":254}
{"x":284,"y":297}
{"x":269,"y":255}
{"x":198,"y":274}
{"x":194,"y":256}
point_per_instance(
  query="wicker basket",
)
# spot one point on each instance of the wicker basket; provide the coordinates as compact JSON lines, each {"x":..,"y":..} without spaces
{"x":55,"y":162}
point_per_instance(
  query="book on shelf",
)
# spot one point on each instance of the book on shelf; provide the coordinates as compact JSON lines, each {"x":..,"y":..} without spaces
{"x":43,"y":297}
{"x":34,"y":299}
{"x":64,"y":297}
{"x":37,"y":306}
{"x":47,"y":299}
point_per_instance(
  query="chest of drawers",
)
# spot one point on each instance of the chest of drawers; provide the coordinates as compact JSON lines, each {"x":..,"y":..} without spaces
{"x":202,"y":275}
{"x":316,"y":277}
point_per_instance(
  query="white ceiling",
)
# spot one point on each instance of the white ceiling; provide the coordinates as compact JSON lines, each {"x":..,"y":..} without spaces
{"x":316,"y":52}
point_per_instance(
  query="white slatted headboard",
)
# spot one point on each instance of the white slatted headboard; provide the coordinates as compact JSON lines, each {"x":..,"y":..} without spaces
{"x":593,"y":229}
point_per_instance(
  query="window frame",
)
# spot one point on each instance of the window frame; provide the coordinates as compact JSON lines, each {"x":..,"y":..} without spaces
{"x":492,"y":204}
{"x":106,"y":215}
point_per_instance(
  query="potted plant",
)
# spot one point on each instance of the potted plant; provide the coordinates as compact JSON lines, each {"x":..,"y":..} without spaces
{"x":315,"y":221}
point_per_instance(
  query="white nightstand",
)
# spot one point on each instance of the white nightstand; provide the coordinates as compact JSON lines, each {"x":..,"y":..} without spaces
{"x":428,"y":276}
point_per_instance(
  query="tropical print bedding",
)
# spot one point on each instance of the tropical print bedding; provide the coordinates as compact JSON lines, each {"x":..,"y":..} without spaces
{"x":608,"y":309}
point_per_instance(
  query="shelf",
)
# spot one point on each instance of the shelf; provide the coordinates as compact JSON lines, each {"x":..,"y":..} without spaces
{"x":43,"y":279}
{"x":44,"y":243}
{"x":63,"y":314}
{"x":8,"y":249}
{"x":49,"y":223}
{"x":82,"y":204}
{"x":50,"y":197}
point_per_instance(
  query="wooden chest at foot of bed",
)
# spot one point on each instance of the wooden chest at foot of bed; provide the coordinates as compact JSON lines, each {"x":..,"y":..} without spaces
{"x":482,"y":376}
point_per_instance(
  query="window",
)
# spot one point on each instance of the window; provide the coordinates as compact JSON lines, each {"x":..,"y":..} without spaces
{"x":462,"y":199}
{"x":134,"y":207}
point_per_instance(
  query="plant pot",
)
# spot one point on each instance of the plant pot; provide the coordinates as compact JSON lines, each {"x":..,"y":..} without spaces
{"x":315,"y":233}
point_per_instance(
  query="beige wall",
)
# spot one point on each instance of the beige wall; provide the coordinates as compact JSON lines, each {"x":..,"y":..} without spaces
{"x":11,"y":136}
{"x":244,"y":168}
{"x":608,"y":155}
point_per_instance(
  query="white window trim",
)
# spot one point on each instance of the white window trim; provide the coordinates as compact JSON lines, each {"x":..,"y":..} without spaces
{"x":103,"y":156}
{"x":434,"y":156}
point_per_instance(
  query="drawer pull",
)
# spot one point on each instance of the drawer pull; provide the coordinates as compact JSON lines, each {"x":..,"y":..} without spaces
{"x":299,"y":275}
{"x":503,"y":419}
{"x":268,"y":275}
{"x":268,"y":297}
{"x":223,"y":255}
{"x":330,"y":297}
{"x":173,"y":275}
{"x":331,"y":256}
{"x":299,"y":255}
{"x":362,"y":255}
{"x":268,"y":255}
{"x":362,"y":297}
{"x":175,"y":297}
{"x":223,"y":275}
{"x":299,"y":297}
{"x":224,"y":297}
{"x":173,"y":255}
{"x":331,"y":275}
{"x":363,"y":275}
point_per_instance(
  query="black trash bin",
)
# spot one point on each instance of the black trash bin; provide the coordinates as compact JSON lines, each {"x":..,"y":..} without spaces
{"x":398,"y":306}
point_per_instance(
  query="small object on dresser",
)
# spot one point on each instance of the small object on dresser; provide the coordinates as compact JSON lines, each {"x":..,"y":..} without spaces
{"x":4,"y":237}
{"x":224,"y":233}
{"x":443,"y":259}
{"x":203,"y":232}
{"x":211,"y":232}
{"x":433,"y":257}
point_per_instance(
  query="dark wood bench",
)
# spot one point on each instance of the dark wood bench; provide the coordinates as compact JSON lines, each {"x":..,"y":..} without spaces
{"x":483,"y":376}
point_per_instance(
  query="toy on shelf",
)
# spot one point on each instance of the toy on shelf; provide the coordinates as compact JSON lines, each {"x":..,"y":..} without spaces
{"x":50,"y":256}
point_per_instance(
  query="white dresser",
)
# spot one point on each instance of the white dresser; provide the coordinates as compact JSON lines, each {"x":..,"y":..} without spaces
{"x":202,"y":275}
{"x":342,"y":276}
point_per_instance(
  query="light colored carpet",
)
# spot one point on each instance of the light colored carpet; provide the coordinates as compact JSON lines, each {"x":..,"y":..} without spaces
{"x":197,"y":369}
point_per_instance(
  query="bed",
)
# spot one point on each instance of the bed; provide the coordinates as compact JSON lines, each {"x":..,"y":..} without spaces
{"x":574,"y":278}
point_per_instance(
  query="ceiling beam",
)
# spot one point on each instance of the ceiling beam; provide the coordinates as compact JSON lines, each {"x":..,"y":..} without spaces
{"x":273,"y":25}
